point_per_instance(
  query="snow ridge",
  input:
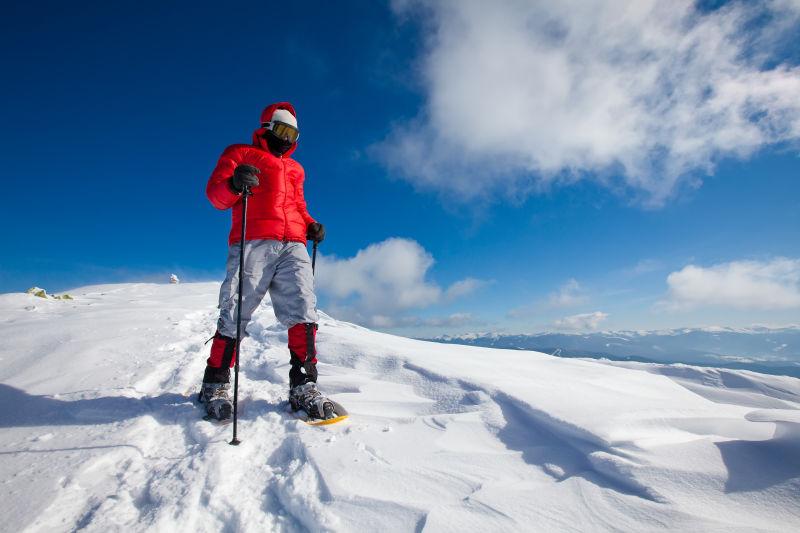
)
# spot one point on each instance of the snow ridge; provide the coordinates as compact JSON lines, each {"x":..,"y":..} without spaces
{"x":441,"y":437}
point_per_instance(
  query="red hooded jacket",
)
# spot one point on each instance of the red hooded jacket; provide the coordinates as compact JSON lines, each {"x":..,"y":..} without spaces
{"x":276,"y":209}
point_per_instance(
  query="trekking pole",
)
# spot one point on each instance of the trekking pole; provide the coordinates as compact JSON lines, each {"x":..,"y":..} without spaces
{"x":314,"y":256}
{"x":235,"y":441}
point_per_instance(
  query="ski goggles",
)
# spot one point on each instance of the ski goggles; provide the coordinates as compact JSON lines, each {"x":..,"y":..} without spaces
{"x":282,"y":131}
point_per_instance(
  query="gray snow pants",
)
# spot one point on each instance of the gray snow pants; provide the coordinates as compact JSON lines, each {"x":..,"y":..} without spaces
{"x":283,"y":269}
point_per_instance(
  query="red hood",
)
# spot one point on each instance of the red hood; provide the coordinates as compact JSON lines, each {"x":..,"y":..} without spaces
{"x":266,"y":116}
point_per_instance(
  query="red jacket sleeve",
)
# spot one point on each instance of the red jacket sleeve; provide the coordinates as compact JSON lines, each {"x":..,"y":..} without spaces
{"x":218,"y":189}
{"x":301,"y":203}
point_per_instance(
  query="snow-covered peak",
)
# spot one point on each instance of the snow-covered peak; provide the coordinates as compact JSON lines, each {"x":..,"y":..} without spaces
{"x":762,"y":348}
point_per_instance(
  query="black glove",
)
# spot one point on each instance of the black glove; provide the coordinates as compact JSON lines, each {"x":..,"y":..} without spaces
{"x":244,"y":176}
{"x":315,"y":232}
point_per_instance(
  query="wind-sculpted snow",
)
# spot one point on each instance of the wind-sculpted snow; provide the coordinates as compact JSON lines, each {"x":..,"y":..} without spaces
{"x":99,"y":432}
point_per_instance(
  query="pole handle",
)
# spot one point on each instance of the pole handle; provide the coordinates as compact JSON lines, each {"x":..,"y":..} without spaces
{"x":314,"y":256}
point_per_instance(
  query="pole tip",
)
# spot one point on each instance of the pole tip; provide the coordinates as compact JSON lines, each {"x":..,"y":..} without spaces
{"x":235,"y":442}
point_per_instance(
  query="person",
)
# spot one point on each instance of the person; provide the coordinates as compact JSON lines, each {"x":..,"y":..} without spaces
{"x":276,"y":259}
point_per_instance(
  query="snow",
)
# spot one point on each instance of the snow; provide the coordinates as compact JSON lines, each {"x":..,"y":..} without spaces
{"x":98,"y":431}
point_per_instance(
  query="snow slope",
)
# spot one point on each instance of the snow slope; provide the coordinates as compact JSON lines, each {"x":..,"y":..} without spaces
{"x":98,"y":434}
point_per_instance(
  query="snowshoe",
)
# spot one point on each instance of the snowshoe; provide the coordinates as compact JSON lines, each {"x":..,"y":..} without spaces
{"x":218,"y":402}
{"x":307,"y":397}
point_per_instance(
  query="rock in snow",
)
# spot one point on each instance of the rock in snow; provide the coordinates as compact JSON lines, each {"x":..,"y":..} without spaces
{"x":98,"y":432}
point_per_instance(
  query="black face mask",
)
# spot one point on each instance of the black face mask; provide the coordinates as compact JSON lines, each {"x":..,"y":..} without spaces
{"x":276,"y":145}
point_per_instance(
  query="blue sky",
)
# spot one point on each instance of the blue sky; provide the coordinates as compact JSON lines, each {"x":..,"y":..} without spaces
{"x":525,"y":169}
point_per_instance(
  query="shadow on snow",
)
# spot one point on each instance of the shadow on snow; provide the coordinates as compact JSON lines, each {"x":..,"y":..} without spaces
{"x":27,"y":410}
{"x":757,"y":465}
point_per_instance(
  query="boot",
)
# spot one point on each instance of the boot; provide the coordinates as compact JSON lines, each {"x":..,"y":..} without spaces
{"x":217,"y":400}
{"x":308,"y":398}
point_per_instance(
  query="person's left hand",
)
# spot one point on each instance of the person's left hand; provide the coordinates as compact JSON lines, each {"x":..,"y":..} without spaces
{"x":315,"y":232}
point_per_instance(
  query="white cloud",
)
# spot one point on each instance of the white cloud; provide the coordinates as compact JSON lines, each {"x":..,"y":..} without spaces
{"x":463,"y":287}
{"x":455,"y":319}
{"x":387,"y":275}
{"x":382,"y":281}
{"x":644,"y":266}
{"x":582,"y":322}
{"x":645,"y":94}
{"x":406,"y":321}
{"x":568,"y":295}
{"x":769,"y":285}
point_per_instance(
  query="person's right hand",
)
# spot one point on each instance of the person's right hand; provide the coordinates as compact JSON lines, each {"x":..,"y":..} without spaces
{"x":244,"y":176}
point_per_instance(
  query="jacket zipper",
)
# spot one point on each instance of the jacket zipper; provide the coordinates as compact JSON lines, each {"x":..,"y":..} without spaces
{"x":285,"y":194}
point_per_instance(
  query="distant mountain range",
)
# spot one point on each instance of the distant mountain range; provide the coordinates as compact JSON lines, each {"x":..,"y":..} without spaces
{"x":762,"y":349}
